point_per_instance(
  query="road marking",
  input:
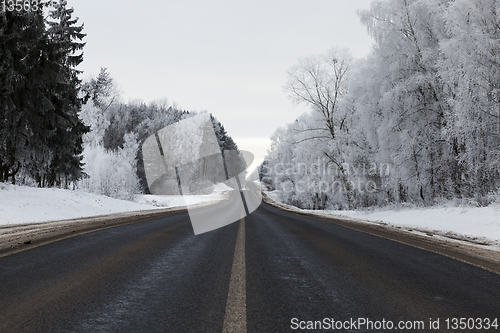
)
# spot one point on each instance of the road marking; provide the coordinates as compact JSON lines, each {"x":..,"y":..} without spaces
{"x":235,"y":319}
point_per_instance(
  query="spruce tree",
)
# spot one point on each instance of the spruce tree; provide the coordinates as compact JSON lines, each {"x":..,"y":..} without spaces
{"x":40,"y":132}
{"x":21,"y":35}
{"x":65,"y":46}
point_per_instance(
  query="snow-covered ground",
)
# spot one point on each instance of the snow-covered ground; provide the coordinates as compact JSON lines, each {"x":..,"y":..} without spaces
{"x":481,"y":223}
{"x":187,"y":200}
{"x":163,"y":201}
{"x":22,"y":204}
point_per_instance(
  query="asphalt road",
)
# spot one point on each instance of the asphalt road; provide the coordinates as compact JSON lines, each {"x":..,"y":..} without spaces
{"x":156,"y":276}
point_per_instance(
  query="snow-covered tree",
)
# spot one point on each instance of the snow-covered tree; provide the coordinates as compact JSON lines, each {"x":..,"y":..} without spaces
{"x":470,"y":69}
{"x":407,"y":34}
{"x":321,"y":82}
{"x":111,"y":172}
{"x":421,"y":110}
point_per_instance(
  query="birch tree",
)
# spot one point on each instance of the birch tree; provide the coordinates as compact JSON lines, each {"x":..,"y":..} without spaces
{"x":321,"y":82}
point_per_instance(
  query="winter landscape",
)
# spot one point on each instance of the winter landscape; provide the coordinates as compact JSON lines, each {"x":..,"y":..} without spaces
{"x":413,"y":125}
{"x":404,"y":135}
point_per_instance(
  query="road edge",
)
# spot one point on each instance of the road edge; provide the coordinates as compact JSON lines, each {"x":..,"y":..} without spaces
{"x":483,"y":256}
{"x":22,"y":237}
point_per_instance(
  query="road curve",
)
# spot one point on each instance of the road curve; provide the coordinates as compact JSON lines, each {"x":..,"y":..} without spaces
{"x":157,"y":276}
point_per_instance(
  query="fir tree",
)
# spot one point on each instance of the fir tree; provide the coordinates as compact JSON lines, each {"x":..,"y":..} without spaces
{"x":22,"y":39}
{"x":40,"y":132}
{"x":65,"y":46}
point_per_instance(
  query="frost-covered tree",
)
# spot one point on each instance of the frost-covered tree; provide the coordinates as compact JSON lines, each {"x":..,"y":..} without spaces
{"x":100,"y":95}
{"x":421,"y":110}
{"x":322,"y":83}
{"x":111,"y":172}
{"x":118,"y":130}
{"x":470,"y":69}
{"x":407,"y":34}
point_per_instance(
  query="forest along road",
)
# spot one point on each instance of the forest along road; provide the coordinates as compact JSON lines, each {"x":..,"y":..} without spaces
{"x":271,"y":272}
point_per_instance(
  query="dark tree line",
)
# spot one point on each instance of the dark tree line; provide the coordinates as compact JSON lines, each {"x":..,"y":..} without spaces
{"x":40,"y":132}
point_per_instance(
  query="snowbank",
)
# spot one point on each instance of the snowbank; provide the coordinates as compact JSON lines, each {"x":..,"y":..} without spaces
{"x":218,"y":194}
{"x":22,"y":204}
{"x":481,"y":223}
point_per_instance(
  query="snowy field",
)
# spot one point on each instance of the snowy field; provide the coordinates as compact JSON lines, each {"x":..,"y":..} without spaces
{"x":22,"y":204}
{"x":481,"y":223}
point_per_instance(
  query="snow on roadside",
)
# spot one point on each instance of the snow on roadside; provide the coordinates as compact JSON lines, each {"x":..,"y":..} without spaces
{"x":22,"y":204}
{"x":178,"y":201}
{"x":481,"y":223}
{"x":218,"y":194}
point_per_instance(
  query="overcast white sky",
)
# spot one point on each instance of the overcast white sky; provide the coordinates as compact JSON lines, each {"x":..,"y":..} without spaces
{"x":228,"y":57}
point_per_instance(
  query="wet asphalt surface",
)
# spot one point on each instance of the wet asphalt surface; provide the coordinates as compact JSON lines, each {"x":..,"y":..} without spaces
{"x":157,"y":276}
{"x":299,"y":267}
